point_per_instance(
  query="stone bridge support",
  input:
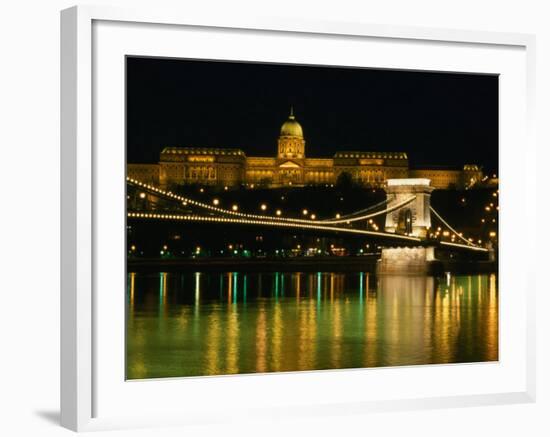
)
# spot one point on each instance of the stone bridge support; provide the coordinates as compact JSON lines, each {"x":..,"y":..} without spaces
{"x":408,"y":261}
{"x":413,"y":218}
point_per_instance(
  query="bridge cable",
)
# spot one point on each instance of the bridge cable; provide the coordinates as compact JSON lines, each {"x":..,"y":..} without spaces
{"x":172,"y":196}
{"x":362,"y":211}
{"x":180,"y":217}
{"x":468,"y":242}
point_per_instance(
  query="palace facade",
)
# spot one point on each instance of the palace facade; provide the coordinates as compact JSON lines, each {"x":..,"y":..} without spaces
{"x":231,"y":167}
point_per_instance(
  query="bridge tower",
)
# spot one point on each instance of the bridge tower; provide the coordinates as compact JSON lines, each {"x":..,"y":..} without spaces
{"x":414,"y":217}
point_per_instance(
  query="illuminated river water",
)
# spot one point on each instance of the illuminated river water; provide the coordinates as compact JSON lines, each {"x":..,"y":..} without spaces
{"x":189,"y":324}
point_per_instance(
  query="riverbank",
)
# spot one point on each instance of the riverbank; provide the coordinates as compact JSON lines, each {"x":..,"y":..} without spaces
{"x":365,"y":263}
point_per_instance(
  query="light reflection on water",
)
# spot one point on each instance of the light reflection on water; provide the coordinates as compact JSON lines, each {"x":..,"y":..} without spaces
{"x":189,"y":324}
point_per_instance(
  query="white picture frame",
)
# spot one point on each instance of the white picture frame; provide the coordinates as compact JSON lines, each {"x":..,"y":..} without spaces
{"x":82,"y":372}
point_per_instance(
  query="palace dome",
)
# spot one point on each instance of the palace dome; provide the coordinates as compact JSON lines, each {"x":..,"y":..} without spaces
{"x":291,"y":128}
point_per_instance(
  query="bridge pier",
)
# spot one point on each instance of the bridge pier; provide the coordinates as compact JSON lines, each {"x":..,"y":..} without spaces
{"x":407,"y":260}
{"x":413,"y":218}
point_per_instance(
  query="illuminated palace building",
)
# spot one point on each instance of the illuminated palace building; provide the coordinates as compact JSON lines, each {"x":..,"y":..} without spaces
{"x":231,"y":167}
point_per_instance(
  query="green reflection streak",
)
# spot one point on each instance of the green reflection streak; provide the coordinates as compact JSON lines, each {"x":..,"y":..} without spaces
{"x":235,"y":287}
{"x":161,"y":286}
{"x":361,"y":280}
{"x":244,"y":288}
{"x":335,"y":323}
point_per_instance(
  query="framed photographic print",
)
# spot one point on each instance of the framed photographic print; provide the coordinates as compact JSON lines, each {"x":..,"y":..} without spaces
{"x":295,"y":218}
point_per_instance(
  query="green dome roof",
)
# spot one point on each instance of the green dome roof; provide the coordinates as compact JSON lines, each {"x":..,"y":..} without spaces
{"x":291,"y":128}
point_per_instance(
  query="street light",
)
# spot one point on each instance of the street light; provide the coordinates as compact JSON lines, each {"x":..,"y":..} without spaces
{"x":263,"y":206}
{"x":278,"y":212}
{"x":216,"y":202}
{"x":235,"y":207}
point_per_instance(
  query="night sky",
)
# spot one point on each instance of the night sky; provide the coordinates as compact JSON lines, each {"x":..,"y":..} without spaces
{"x":439,"y":119}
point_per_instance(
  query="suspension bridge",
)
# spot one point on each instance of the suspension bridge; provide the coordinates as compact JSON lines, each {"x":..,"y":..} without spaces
{"x":407,"y":211}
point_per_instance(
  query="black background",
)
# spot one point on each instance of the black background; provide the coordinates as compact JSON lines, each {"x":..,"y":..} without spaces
{"x":439,"y":119}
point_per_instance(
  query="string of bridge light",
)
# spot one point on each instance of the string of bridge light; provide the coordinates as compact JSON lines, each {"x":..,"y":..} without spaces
{"x":340,"y":220}
{"x":188,"y":217}
{"x":178,"y":217}
{"x":469,"y":246}
{"x":458,"y":234}
{"x":186,"y":201}
{"x":368,"y":216}
{"x":362,"y":211}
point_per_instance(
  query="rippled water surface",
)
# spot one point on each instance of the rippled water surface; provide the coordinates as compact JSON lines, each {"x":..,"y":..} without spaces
{"x":189,"y":324}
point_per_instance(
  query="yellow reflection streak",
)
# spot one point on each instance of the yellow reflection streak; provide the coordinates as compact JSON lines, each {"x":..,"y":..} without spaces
{"x":428,"y":314}
{"x":197,"y":289}
{"x":492,"y":320}
{"x":232,"y":358}
{"x":337,"y":329}
{"x":164,"y":289}
{"x":132,"y":290}
{"x":277,"y":338}
{"x":213,"y":344}
{"x":261,"y":339}
{"x":307,"y":335}
{"x":371,"y":345}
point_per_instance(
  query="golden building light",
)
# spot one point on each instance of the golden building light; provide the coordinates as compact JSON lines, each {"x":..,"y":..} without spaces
{"x":142,"y":195}
{"x":263,"y":206}
{"x":304,"y":212}
{"x":216,"y":202}
{"x":235,"y":207}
